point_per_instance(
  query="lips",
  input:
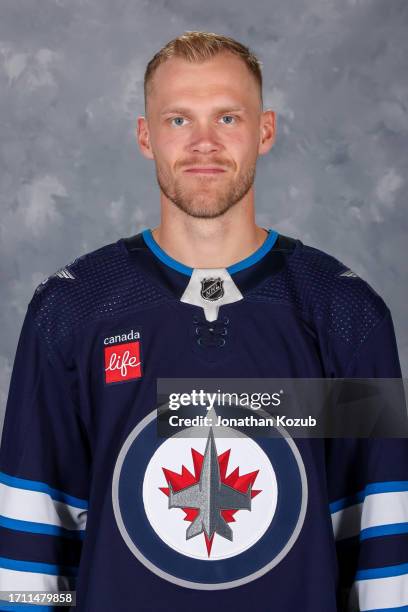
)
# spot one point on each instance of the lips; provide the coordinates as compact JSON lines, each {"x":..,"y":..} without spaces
{"x":205,"y":169}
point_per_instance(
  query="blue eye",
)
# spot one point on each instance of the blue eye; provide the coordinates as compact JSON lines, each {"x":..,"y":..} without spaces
{"x":230,"y":117}
{"x":175,"y":119}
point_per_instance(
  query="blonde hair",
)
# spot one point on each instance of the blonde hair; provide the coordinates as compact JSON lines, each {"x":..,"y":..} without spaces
{"x":196,"y":46}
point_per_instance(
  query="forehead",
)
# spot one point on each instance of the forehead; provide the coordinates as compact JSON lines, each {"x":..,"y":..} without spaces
{"x":223,"y":75}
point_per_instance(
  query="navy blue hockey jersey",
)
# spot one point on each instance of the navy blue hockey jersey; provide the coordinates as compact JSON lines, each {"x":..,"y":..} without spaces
{"x":92,"y":500}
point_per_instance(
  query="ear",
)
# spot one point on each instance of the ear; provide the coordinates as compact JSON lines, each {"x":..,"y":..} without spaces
{"x":143,"y":138}
{"x":267,"y":131}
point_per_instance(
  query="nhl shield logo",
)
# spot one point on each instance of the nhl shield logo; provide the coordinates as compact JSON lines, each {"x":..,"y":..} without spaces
{"x":203,"y":513}
{"x":212,"y":288}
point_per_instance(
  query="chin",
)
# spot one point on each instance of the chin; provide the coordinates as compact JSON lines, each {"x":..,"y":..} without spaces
{"x":204,"y":212}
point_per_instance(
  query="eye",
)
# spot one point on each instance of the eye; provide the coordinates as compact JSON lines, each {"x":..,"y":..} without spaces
{"x":229,"y":117}
{"x":176,"y":119}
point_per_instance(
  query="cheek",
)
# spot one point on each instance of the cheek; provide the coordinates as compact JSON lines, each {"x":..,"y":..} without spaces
{"x":170,"y":146}
{"x":241,"y":147}
{"x":166,"y":151}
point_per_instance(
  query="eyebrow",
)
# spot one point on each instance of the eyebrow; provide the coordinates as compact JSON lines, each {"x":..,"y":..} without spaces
{"x":182,"y":111}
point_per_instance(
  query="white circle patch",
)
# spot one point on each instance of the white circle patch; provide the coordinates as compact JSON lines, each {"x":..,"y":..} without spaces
{"x":247,"y":525}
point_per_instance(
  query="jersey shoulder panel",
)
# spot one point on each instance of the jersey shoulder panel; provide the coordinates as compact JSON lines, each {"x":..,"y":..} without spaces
{"x":97,"y":285}
{"x":326,"y":293}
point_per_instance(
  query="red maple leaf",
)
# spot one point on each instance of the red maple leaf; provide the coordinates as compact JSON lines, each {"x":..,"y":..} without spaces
{"x":240,"y":482}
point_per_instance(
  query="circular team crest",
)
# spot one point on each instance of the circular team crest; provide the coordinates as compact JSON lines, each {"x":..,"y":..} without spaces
{"x":210,"y":496}
{"x":208,"y":513}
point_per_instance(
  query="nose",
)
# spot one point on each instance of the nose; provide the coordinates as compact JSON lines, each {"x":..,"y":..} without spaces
{"x":204,"y":139}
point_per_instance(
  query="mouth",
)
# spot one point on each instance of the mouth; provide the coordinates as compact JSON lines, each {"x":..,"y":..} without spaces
{"x":204,"y":170}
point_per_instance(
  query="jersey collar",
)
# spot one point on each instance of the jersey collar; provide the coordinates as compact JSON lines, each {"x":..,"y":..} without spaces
{"x":236,"y":267}
{"x":144,"y":252}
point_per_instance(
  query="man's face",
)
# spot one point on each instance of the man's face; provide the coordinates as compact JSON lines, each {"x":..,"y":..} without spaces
{"x":204,"y":125}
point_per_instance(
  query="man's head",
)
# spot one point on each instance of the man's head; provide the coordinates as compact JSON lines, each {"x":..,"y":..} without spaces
{"x":203,"y":105}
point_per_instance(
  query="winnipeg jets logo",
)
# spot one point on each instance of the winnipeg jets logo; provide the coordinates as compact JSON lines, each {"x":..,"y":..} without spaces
{"x":212,"y":288}
{"x":202,"y":512}
{"x":209,"y":498}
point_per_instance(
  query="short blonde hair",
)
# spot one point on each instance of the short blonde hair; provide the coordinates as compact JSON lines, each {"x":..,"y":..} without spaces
{"x":196,"y":46}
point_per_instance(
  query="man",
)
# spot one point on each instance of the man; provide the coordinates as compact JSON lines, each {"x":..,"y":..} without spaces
{"x":92,"y":498}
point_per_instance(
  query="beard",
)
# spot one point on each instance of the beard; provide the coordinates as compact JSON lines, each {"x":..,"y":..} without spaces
{"x":205,"y":196}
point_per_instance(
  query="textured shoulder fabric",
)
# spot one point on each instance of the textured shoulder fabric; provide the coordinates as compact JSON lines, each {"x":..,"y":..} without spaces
{"x":106,"y":282}
{"x":99,"y":284}
{"x":325,"y":293}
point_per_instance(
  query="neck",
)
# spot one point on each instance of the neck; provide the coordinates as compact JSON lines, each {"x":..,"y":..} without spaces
{"x":209,"y":243}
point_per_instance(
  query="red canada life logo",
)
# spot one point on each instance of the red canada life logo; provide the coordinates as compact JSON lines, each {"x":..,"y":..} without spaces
{"x":122,"y":361}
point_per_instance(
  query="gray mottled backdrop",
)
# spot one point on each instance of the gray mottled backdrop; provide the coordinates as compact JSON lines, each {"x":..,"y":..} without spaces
{"x":72,"y":178}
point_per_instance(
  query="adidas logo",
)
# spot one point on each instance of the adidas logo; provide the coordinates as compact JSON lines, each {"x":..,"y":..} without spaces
{"x":349,"y":274}
{"x":64,"y":273}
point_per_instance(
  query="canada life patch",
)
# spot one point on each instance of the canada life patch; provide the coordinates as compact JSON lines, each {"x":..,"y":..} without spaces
{"x":122,"y":360}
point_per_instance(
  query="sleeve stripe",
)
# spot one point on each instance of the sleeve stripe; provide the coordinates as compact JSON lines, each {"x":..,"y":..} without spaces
{"x":386,"y":487}
{"x":371,"y":489}
{"x":387,"y":511}
{"x":384,"y":530}
{"x":346,"y":502}
{"x":347,"y":522}
{"x":42,"y":487}
{"x":37,"y":568}
{"x":42,"y":528}
{"x":383,"y":572}
{"x":386,"y":587}
{"x":33,"y":506}
{"x":22,"y":579}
